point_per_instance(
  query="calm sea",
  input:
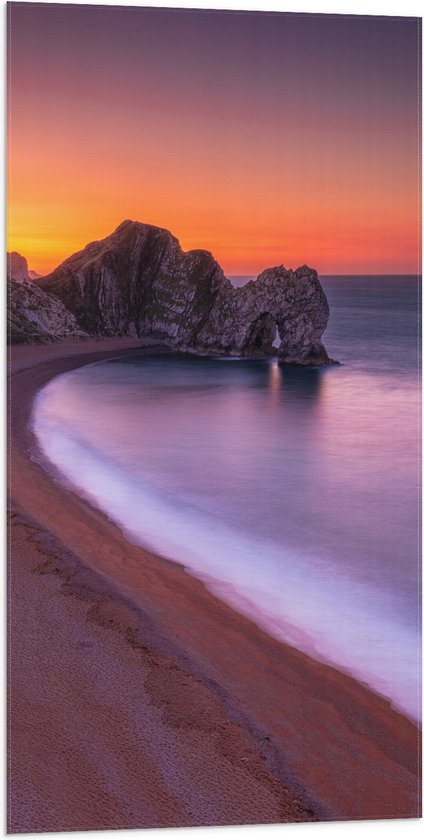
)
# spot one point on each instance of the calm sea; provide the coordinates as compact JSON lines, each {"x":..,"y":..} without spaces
{"x":292,"y":493}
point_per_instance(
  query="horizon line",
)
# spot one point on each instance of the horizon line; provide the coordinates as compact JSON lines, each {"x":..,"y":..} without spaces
{"x":366,"y":274}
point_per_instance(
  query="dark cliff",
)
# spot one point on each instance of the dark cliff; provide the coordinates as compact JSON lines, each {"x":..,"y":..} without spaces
{"x":35,"y":317}
{"x":139,"y":281}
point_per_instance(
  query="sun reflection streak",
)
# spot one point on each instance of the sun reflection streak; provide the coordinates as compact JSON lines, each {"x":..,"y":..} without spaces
{"x":275,"y":380}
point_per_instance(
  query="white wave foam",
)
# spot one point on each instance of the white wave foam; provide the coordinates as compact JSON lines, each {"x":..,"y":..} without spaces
{"x":335,"y":620}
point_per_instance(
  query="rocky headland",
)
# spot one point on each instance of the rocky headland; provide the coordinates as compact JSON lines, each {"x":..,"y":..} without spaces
{"x":139,"y":282}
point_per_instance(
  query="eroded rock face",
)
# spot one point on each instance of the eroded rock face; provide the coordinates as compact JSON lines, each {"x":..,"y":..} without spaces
{"x":35,"y":317}
{"x":138,"y":281}
{"x":245,"y":320}
{"x":17,"y":266}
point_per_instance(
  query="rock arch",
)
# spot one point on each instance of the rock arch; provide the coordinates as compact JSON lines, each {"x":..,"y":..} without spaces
{"x":261,"y":335}
{"x":292,"y":302}
{"x":140,"y":275}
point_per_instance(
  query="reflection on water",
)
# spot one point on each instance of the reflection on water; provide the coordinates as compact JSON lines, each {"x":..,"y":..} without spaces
{"x":302,"y":384}
{"x":292,"y":492}
{"x":275,"y":379}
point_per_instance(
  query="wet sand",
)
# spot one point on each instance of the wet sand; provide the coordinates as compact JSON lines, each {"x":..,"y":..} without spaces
{"x":138,"y":699}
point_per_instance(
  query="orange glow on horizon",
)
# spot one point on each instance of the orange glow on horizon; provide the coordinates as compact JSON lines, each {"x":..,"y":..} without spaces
{"x":338,"y":219}
{"x":257,"y":165}
{"x":334,"y":245}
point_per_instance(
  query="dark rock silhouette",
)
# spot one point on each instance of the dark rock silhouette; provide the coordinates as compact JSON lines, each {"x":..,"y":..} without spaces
{"x":139,"y":281}
{"x":35,"y":317}
{"x":17,"y":266}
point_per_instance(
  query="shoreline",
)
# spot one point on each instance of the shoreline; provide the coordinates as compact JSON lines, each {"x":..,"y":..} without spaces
{"x":302,"y":740}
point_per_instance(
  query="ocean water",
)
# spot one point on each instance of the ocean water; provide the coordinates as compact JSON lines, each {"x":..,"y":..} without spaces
{"x":292,"y":493}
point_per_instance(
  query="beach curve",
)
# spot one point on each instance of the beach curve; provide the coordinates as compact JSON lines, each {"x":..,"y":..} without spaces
{"x":289,"y":738}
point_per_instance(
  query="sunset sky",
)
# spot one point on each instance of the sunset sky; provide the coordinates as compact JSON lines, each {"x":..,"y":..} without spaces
{"x":264,"y":138}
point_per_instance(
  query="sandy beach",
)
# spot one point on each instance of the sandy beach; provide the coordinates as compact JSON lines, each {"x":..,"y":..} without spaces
{"x":138,"y":699}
